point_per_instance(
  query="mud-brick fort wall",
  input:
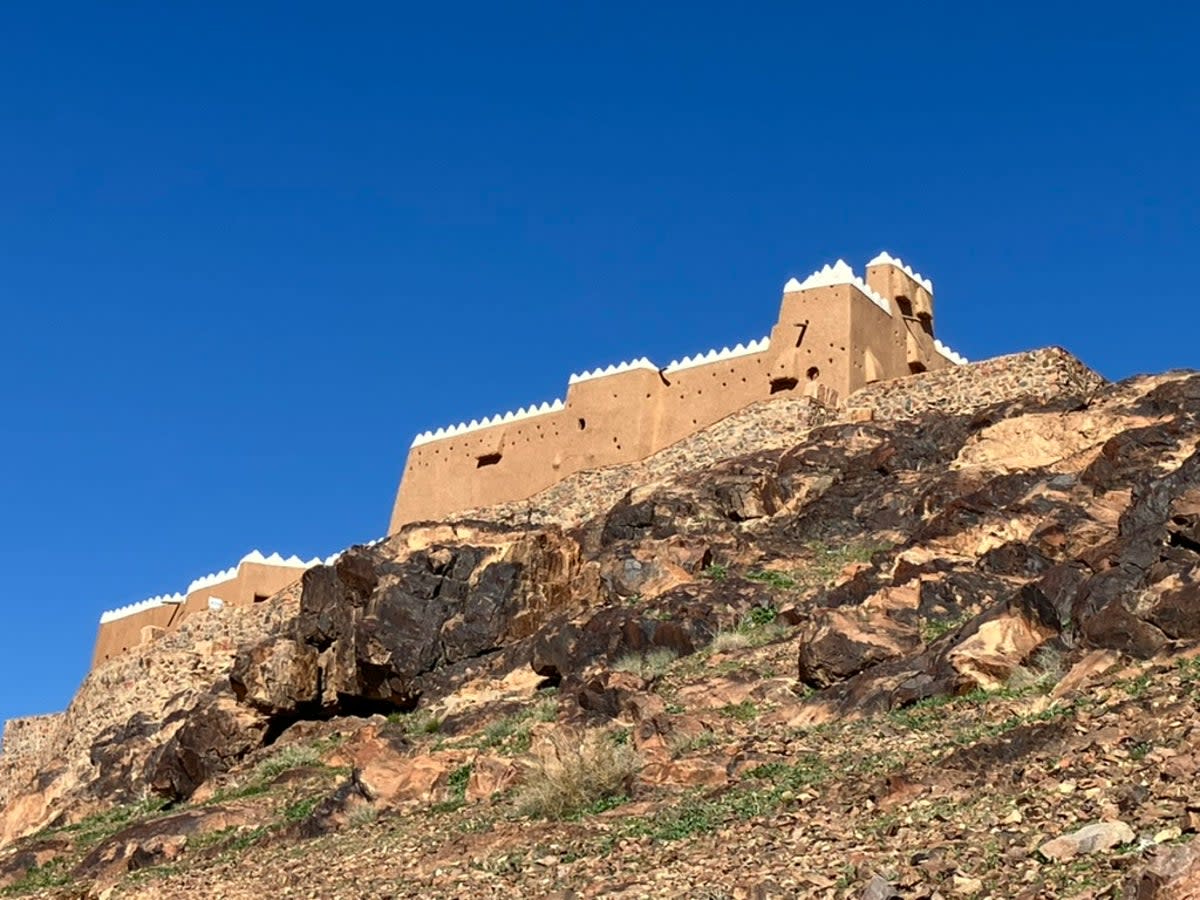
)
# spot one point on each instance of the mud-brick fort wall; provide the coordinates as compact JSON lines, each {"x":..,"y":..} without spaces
{"x":834,"y":334}
{"x":252,"y":580}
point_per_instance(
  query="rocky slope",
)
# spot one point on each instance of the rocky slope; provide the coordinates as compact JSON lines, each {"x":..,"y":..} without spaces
{"x":942,"y":642}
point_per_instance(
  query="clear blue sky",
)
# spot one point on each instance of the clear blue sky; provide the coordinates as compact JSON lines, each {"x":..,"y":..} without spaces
{"x":248,"y":250}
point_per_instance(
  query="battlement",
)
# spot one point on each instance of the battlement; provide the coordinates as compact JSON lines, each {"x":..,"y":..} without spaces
{"x":255,"y":578}
{"x":835,"y":332}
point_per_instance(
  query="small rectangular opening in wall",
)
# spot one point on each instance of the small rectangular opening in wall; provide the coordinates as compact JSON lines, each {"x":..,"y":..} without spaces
{"x":260,"y":598}
{"x":488,"y":459}
{"x":783,"y":384}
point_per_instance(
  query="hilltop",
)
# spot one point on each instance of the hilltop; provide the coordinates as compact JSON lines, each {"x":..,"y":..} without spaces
{"x":905,"y":646}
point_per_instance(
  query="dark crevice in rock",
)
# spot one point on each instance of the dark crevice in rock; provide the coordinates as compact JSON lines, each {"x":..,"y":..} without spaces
{"x":1176,"y":539}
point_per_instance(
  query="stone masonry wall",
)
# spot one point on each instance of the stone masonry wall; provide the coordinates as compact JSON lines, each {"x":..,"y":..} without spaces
{"x":24,"y":738}
{"x":1036,"y":374}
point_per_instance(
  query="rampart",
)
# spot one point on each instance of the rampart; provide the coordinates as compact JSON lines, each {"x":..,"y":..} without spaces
{"x":835,"y":332}
{"x":1035,"y":375}
{"x":252,"y":580}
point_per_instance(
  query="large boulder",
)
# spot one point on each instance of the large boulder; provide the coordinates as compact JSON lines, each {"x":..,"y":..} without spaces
{"x":216,"y":735}
{"x":1173,"y":874}
{"x":276,"y":676}
{"x":838,"y":643}
{"x":383,"y":624}
{"x":152,"y":843}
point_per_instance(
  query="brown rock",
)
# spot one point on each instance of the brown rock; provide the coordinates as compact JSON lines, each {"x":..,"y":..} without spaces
{"x":1093,"y":664}
{"x":276,"y":676}
{"x":1172,"y":875}
{"x":491,"y":775}
{"x":988,"y":656}
{"x":1093,"y":838}
{"x":839,"y":643}
{"x":152,"y":843}
{"x":217,"y":734}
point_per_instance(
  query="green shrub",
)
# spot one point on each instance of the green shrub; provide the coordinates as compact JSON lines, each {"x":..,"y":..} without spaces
{"x":293,"y":756}
{"x":773,"y":578}
{"x":743,"y":712}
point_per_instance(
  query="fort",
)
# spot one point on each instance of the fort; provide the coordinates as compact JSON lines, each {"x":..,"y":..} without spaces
{"x":835,"y":333}
{"x":253,"y":580}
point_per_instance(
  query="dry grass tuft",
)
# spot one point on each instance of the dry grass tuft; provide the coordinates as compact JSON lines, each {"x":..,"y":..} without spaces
{"x":651,"y":664}
{"x":725,"y":641}
{"x":578,"y":774}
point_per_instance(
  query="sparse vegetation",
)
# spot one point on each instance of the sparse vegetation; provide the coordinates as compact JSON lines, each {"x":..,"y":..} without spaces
{"x":649,"y":665}
{"x":362,"y":815}
{"x":826,"y":560}
{"x":293,"y":756}
{"x":716,"y":572}
{"x":509,"y":734}
{"x":746,"y":711}
{"x":695,"y":813}
{"x":457,"y":782}
{"x":683,"y":744}
{"x":728,"y":641}
{"x":579,"y":774}
{"x":1039,"y":674}
{"x":772,"y":578}
{"x":39,"y":878}
{"x":512,"y":734}
{"x":99,"y":826}
{"x":1137,"y":687}
{"x":932,"y":629}
{"x":300,"y":810}
{"x":417,"y":723}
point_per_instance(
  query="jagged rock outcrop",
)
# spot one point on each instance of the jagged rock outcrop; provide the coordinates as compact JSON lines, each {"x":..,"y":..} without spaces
{"x":953,"y":548}
{"x":215,"y":735}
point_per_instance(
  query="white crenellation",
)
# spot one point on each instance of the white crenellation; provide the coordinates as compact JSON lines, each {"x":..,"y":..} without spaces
{"x":714,"y":356}
{"x":839,"y":273}
{"x":213,"y":578}
{"x":450,"y":431}
{"x":886,"y":259}
{"x":957,"y":358}
{"x":141,"y":606}
{"x":641,"y":363}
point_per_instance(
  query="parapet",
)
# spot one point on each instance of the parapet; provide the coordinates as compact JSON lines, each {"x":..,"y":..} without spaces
{"x":207,"y":581}
{"x":835,"y":332}
{"x":255,"y":578}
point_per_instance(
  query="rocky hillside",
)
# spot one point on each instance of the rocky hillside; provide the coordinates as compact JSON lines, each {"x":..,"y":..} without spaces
{"x":942,"y":642}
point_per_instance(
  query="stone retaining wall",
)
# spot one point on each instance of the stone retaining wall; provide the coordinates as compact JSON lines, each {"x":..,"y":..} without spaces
{"x":1036,"y":374}
{"x":24,"y":738}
